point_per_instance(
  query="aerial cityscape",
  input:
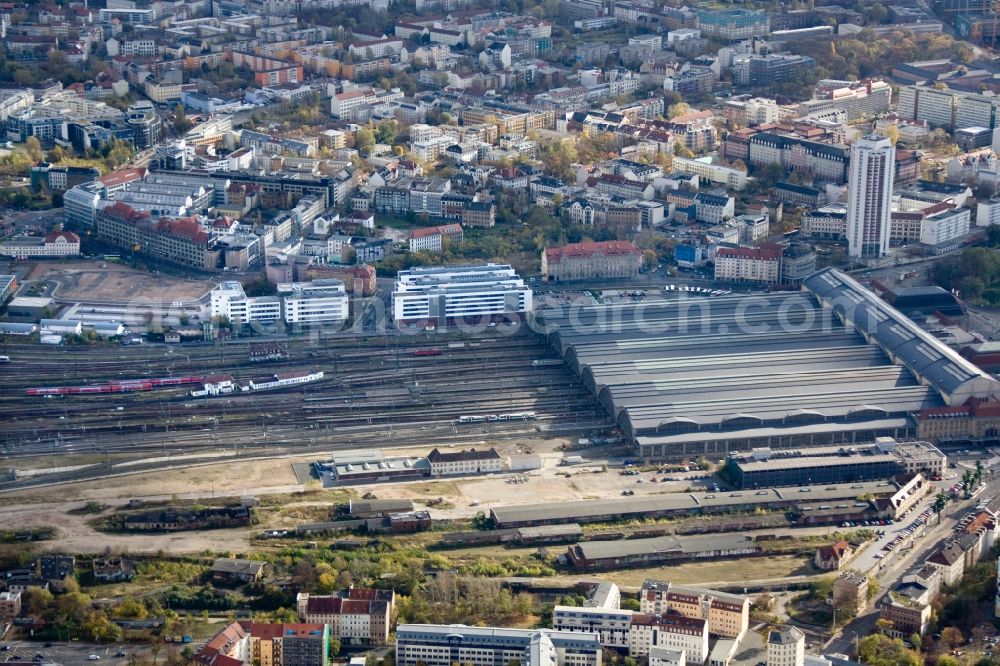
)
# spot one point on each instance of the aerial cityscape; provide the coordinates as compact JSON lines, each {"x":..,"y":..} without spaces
{"x":500,"y":333}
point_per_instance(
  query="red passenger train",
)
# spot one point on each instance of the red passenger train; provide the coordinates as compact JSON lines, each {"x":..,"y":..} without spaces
{"x":117,"y":386}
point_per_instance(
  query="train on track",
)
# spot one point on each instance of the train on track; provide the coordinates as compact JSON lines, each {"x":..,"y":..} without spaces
{"x":427,"y":352}
{"x":224,"y":384}
{"x":491,"y":418}
{"x":116,"y":386}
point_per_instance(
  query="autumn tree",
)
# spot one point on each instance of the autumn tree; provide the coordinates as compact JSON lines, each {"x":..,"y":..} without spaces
{"x":34,"y":148}
{"x":952,"y":637}
{"x":678,"y":109}
{"x":891,"y":132}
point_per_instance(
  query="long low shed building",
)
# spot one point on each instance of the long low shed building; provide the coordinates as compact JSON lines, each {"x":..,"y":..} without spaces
{"x":680,"y":504}
{"x":830,"y":364}
{"x":640,"y":552}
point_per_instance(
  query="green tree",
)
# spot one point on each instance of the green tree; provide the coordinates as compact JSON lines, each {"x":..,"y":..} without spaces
{"x":993,"y":235}
{"x":873,"y":588}
{"x":36,"y":600}
{"x":386,"y":132}
{"x":364,"y":141}
{"x":822,"y":588}
{"x":181,"y":122}
{"x":131,"y":607}
{"x":879,"y":650}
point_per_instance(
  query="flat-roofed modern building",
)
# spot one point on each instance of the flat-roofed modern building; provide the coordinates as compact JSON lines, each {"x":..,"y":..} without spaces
{"x":444,"y":645}
{"x":767,"y":468}
{"x":447,"y":293}
{"x":611,"y":624}
{"x":316,"y":302}
{"x":832,"y":364}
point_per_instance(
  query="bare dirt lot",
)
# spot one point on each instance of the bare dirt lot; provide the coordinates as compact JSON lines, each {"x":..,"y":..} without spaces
{"x":460,"y":498}
{"x":87,"y":281}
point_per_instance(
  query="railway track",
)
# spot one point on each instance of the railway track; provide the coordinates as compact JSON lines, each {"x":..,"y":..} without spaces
{"x":375,"y":388}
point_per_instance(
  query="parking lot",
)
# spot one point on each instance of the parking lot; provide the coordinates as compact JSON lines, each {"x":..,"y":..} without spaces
{"x":895,"y":537}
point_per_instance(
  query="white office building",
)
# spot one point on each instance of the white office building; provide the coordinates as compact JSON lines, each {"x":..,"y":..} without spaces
{"x":611,"y":624}
{"x":869,"y":197}
{"x":446,"y":293}
{"x":317,"y":302}
{"x":230,"y":302}
{"x":445,"y":645}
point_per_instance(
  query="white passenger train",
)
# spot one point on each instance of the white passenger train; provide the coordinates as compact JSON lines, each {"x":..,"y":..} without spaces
{"x":491,"y":418}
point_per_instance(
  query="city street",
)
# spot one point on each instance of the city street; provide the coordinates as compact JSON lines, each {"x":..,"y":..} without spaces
{"x":67,"y":654}
{"x":889,"y":575}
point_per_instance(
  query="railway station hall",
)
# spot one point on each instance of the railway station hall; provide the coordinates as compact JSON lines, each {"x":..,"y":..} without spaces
{"x":829,"y":364}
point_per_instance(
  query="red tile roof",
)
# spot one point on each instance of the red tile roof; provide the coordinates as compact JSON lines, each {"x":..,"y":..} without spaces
{"x":973,"y":407}
{"x":186,"y":227}
{"x":270,"y":631}
{"x":325,"y":605}
{"x":765,"y":253}
{"x":214,"y":652}
{"x":121,"y":176}
{"x":68,"y":236}
{"x":355,"y":607}
{"x":580,"y":250}
{"x":125,"y":212}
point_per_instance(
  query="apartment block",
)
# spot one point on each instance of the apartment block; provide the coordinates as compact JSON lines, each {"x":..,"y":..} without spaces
{"x":356,"y":616}
{"x":748,"y":264}
{"x":56,"y":244}
{"x":671,"y":631}
{"x":432,"y":239}
{"x":289,"y":644}
{"x":786,"y":647}
{"x":727,"y":614}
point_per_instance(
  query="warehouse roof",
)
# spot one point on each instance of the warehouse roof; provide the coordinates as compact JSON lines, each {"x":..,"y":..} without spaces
{"x":682,"y":545}
{"x":591,"y":510}
{"x":813,"y":462}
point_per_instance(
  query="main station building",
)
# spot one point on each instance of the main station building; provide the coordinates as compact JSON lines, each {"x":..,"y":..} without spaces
{"x":828,"y":365}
